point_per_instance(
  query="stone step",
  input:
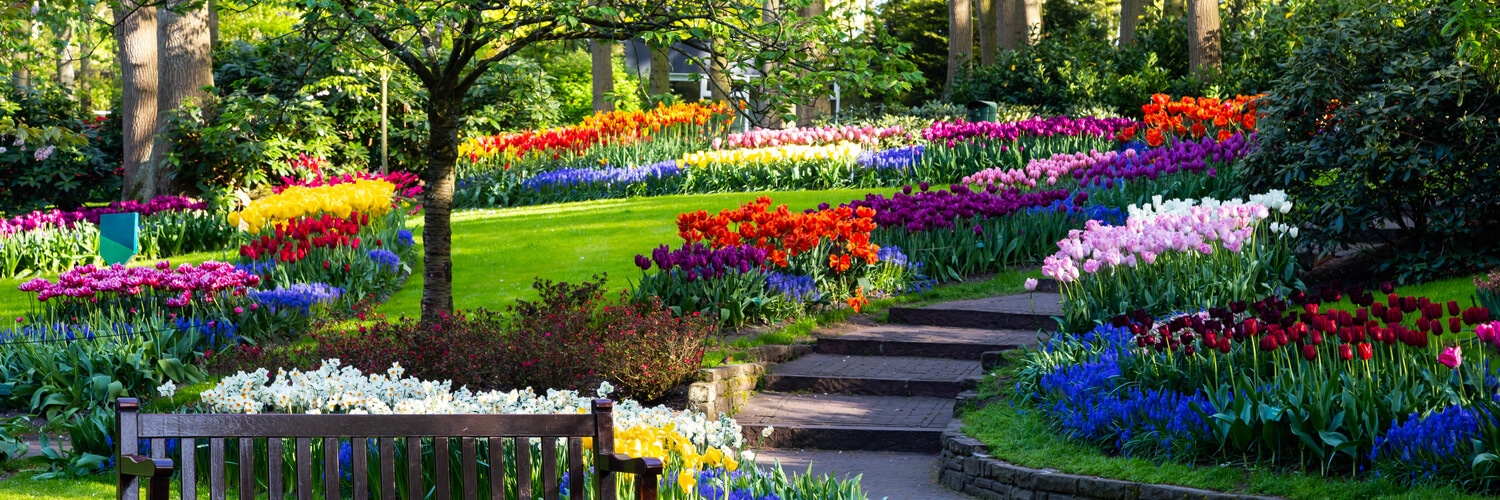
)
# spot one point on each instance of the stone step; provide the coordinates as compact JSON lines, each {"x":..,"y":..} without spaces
{"x":873,"y":375}
{"x":846,"y":422}
{"x":1027,"y":311}
{"x":924,"y":341}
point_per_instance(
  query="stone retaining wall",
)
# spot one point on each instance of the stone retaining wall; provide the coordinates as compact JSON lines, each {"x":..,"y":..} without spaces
{"x":724,"y":389}
{"x":968,"y":467}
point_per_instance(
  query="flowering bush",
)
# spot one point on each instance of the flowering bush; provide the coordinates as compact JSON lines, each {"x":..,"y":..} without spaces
{"x":1189,"y":253}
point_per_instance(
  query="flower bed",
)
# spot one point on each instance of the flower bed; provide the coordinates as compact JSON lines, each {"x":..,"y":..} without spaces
{"x":865,"y":136}
{"x":54,"y":240}
{"x":1400,"y":386}
{"x":1188,"y":253}
{"x":703,"y":456}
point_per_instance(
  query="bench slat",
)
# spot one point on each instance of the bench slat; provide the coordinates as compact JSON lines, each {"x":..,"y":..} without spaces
{"x":575,"y":468}
{"x":387,"y":469}
{"x":189,"y":447}
{"x":414,"y":486}
{"x":497,"y":468}
{"x":247,"y":469}
{"x":523,"y":467}
{"x":360,"y":469}
{"x":469,"y":471}
{"x":604,"y":442}
{"x":273,"y":468}
{"x":303,"y":425}
{"x":331,"y":468}
{"x":215,"y":468}
{"x":440,"y":469}
{"x":550,"y":490}
{"x":304,"y":469}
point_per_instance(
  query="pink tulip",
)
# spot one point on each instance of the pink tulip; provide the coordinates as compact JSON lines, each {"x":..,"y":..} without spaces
{"x":1451,"y":357}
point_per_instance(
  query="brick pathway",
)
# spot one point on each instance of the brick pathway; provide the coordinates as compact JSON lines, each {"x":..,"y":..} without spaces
{"x":942,"y":335}
{"x":1044,"y":304}
{"x":793,"y":410}
{"x":878,"y":367}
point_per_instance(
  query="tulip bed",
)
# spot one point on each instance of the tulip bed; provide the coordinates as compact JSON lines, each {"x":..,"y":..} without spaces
{"x":54,"y":240}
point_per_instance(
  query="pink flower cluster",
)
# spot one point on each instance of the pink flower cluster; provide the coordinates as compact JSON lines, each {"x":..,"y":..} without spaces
{"x":408,"y":185}
{"x":1060,"y":165}
{"x":760,"y":138}
{"x":66,"y":220}
{"x":1143,"y":239}
{"x":1489,"y":332}
{"x":1032,"y":127}
{"x":182,"y":283}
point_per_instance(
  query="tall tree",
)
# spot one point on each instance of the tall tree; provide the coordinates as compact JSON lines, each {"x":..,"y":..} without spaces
{"x":1203,"y":35}
{"x":1020,"y":20}
{"x":1130,"y":18}
{"x":66,"y":75}
{"x":184,"y":68}
{"x":960,"y":39}
{"x":602,"y":57}
{"x":659,"y":80}
{"x":989,"y":31}
{"x":820,"y":104}
{"x":135,"y":41}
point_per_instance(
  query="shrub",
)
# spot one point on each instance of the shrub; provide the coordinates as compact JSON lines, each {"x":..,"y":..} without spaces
{"x":1375,"y":123}
{"x":570,"y":338}
{"x":50,"y":155}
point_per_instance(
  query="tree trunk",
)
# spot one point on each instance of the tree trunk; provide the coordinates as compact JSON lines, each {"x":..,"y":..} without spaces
{"x":1032,"y":10}
{"x":1173,"y":8}
{"x":821,"y":105}
{"x":661,"y":71}
{"x":960,"y":40}
{"x":1130,"y":18}
{"x":443,"y":113}
{"x":1203,"y":35}
{"x":720,"y":87}
{"x":21,"y":78}
{"x":185,"y":67}
{"x":1020,"y":21}
{"x":86,"y":46}
{"x":989,"y":31}
{"x":602,"y":52}
{"x":135,"y":39}
{"x":66,"y":76}
{"x":213,"y":24}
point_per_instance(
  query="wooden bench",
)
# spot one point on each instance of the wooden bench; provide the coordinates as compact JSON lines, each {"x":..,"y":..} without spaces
{"x":477,"y":435}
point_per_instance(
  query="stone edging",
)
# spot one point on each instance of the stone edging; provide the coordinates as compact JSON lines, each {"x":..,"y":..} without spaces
{"x":724,"y":389}
{"x":967,"y":466}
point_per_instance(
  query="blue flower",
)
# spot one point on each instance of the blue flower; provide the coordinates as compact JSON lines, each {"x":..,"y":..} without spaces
{"x":404,"y":236}
{"x":385,"y":258}
{"x":793,"y":287}
{"x":902,"y":158}
{"x":299,"y":296}
{"x":601,"y":177}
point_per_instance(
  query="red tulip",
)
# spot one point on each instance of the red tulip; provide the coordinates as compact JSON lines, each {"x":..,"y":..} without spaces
{"x":1454,"y":324}
{"x":1453,"y":308}
{"x":1345,"y":353}
{"x":1366,"y":352}
{"x":1310,"y":352}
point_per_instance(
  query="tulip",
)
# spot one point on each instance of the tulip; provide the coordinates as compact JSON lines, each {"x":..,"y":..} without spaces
{"x":1346,"y":353}
{"x":1451,"y":357}
{"x":1310,"y":352}
{"x":1366,"y":352}
{"x":1031,"y":284}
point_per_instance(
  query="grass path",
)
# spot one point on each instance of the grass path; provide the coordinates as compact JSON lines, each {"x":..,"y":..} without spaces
{"x":498,"y":252}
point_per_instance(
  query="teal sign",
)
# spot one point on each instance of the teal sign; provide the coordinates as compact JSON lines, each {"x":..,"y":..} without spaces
{"x":119,"y":237}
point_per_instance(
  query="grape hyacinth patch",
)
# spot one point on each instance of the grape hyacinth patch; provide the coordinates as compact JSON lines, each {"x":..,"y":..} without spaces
{"x":385,"y":258}
{"x":904,"y":158}
{"x":794,"y":287}
{"x":297,"y":296}
{"x":612,"y":176}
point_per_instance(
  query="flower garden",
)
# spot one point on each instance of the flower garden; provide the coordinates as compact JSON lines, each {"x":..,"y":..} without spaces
{"x":1187,"y":334}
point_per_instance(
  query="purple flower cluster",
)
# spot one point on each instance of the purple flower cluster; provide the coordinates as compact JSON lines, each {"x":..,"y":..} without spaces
{"x":903,"y":158}
{"x":89,"y":281}
{"x":1181,"y":156}
{"x":297,"y":296}
{"x":385,"y":258}
{"x":927,"y":210}
{"x":1428,"y":444}
{"x":569,"y":177}
{"x":66,"y":220}
{"x":1032,"y":127}
{"x":697,"y":260}
{"x":796,"y":288}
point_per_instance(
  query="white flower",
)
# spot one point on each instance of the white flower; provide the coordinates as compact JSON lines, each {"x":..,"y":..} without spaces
{"x":167,"y":390}
{"x":42,"y":154}
{"x":766,"y":432}
{"x":1292,"y":231}
{"x":2,"y":150}
{"x":605,"y":389}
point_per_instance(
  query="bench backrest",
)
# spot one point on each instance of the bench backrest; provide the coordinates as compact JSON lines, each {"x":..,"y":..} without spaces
{"x":260,"y":443}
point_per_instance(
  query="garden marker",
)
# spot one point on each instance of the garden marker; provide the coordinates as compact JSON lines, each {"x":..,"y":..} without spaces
{"x":119,"y":237}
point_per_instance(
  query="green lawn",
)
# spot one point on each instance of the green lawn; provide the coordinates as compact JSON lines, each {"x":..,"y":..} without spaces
{"x":497,"y":252}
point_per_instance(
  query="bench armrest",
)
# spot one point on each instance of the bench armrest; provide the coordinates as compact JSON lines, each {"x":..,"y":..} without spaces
{"x":615,"y":462}
{"x":142,"y":466}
